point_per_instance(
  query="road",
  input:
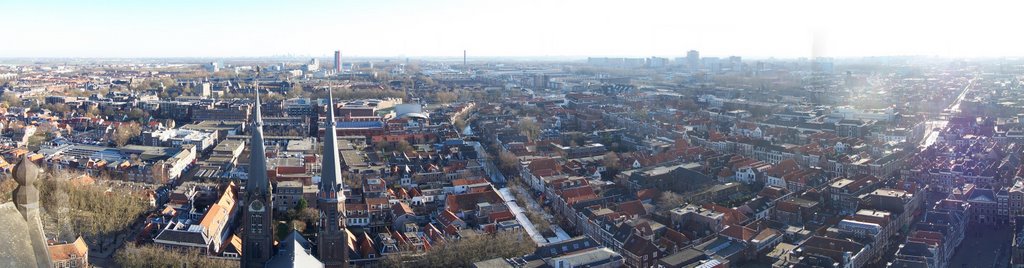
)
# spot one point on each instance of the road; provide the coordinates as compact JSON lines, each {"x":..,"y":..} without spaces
{"x":492,"y":171}
{"x":954,"y":108}
{"x":931,"y":135}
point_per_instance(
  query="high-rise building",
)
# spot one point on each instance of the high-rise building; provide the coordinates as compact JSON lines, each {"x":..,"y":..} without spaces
{"x":693,"y":59}
{"x":712,"y":64}
{"x":656,"y":62}
{"x":313,"y":66}
{"x":332,"y":238}
{"x":736,"y":63}
{"x":337,"y":61}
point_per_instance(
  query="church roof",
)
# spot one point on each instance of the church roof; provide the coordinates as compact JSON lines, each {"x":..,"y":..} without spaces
{"x":22,"y":243}
{"x":294,"y":251}
{"x":15,"y":244}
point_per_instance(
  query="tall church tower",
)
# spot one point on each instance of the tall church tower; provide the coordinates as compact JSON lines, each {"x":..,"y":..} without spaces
{"x":332,"y":239}
{"x":258,"y":240}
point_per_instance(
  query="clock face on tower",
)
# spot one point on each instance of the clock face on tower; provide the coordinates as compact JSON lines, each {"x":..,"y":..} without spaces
{"x":256,"y":205}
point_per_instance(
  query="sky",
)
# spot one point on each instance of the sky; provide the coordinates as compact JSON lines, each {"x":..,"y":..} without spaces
{"x":509,"y":28}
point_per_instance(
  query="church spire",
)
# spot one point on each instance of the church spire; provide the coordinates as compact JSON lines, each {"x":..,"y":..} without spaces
{"x":257,"y":151}
{"x":331,"y":164}
{"x":257,"y":111}
{"x":258,"y":240}
{"x":332,"y":237}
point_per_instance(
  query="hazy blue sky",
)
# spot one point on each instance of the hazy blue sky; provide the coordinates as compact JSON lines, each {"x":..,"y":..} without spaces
{"x":181,"y":28}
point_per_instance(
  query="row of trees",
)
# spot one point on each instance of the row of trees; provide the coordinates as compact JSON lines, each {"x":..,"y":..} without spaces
{"x":70,"y":210}
{"x":466,"y":251}
{"x":536,"y":217}
{"x":398,"y":146}
{"x":86,"y":210}
{"x":156,"y":256}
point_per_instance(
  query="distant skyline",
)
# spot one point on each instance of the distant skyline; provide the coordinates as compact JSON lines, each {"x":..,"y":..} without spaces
{"x":528,"y":28}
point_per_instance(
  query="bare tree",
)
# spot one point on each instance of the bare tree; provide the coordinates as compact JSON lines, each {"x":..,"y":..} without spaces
{"x":529,"y":128}
{"x":445,"y":97}
{"x":403,"y":146}
{"x":467,"y":250}
{"x":56,"y":210}
{"x":156,"y":256}
{"x":508,"y":161}
{"x":6,"y":189}
{"x":125,"y":132}
{"x":670,"y":200}
{"x":611,"y":161}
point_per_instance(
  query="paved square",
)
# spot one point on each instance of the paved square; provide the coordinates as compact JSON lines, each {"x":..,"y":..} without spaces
{"x":984,"y":246}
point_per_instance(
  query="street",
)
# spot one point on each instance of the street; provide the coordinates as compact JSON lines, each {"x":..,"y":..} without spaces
{"x":930,"y":134}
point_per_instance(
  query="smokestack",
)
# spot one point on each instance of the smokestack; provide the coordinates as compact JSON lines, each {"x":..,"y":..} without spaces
{"x":464,"y":65}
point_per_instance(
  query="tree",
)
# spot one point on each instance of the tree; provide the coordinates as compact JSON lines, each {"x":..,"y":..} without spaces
{"x":403,"y":146}
{"x":298,"y":225}
{"x":538,"y":221}
{"x":92,"y":111}
{"x":87,"y":210}
{"x":469,"y":249}
{"x":382,"y":145}
{"x":670,"y":200}
{"x":297,"y":91}
{"x":6,"y":189}
{"x":611,"y":161}
{"x":59,"y":108}
{"x":126,"y":132}
{"x":157,"y":256}
{"x":445,"y":97}
{"x":301,"y":205}
{"x":11,"y":100}
{"x":56,"y":210}
{"x":507,"y":161}
{"x":35,"y":141}
{"x":529,"y":128}
{"x":309,"y":215}
{"x":137,"y":114}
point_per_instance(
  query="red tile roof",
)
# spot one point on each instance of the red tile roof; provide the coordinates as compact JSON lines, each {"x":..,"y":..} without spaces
{"x":739,"y":232}
{"x":578,"y":194}
{"x":633,"y":208}
{"x":401,"y":208}
{"x":501,"y":216}
{"x":77,"y":249}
